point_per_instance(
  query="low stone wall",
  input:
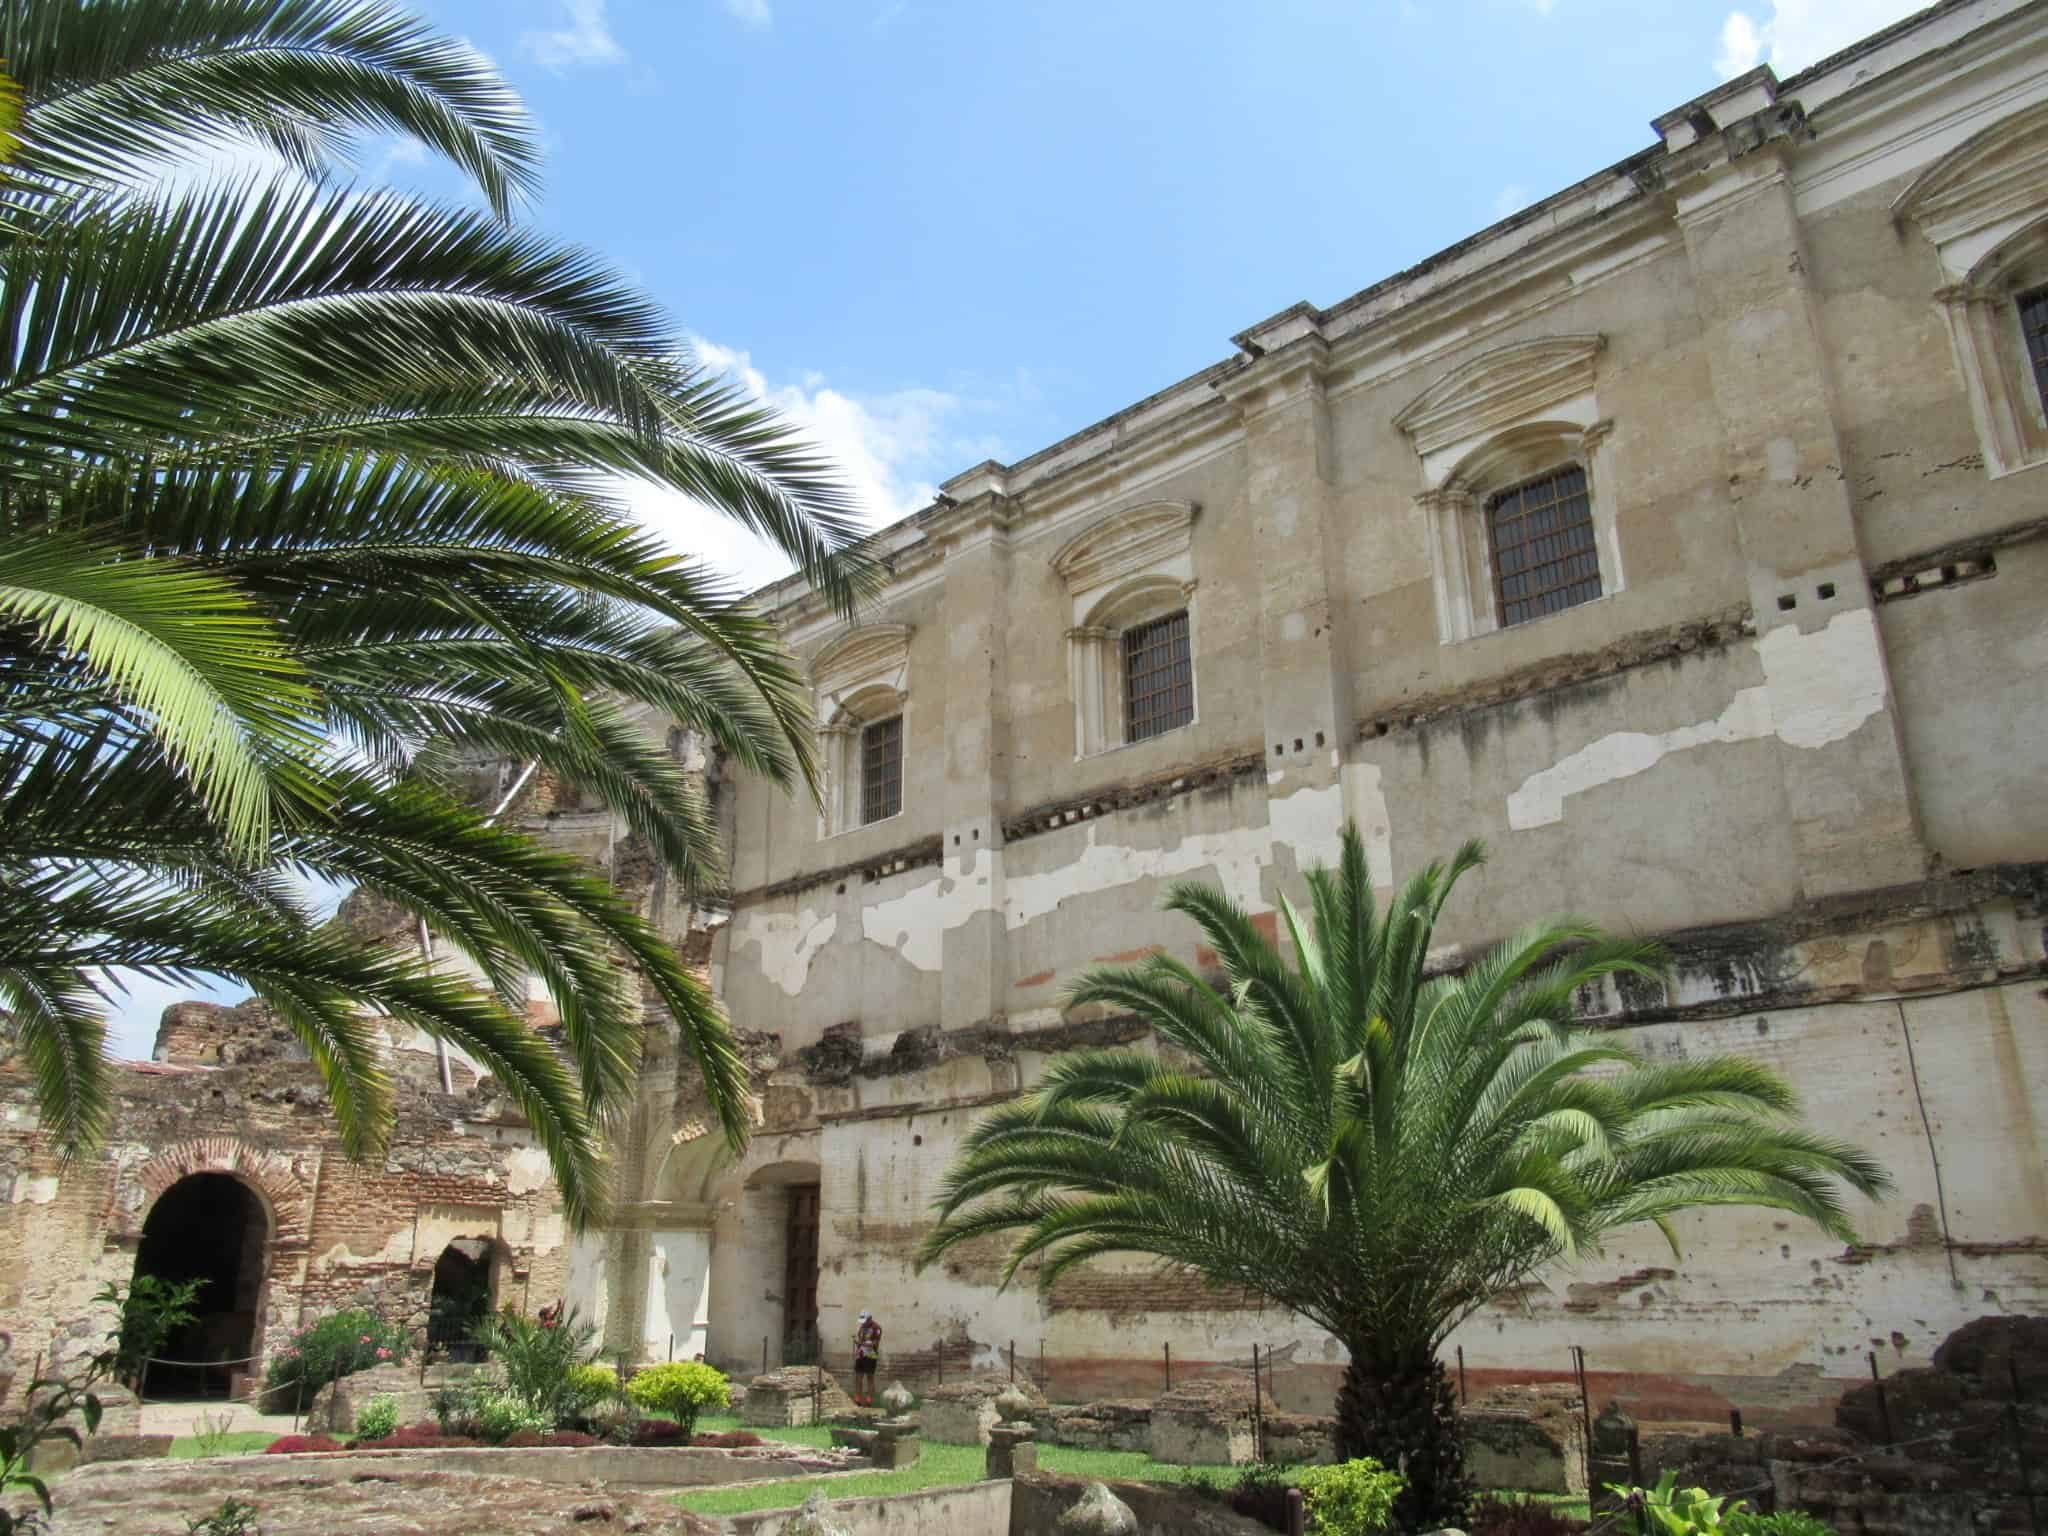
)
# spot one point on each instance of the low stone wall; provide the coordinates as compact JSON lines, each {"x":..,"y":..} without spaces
{"x":1205,"y":1422}
{"x":333,"y":1409}
{"x":1301,"y":1438}
{"x":1037,"y":1500}
{"x":647,"y":1466}
{"x":963,"y":1412}
{"x":975,"y":1509}
{"x":1121,"y":1424}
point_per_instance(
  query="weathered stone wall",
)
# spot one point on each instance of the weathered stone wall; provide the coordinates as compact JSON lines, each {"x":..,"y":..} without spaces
{"x":231,"y":1093}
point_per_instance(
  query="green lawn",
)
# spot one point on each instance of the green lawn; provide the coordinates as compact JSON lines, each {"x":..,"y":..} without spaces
{"x":238,"y":1443}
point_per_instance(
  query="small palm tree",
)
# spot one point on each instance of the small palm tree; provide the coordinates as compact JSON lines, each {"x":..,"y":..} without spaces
{"x":1377,"y":1148}
{"x":307,"y":491}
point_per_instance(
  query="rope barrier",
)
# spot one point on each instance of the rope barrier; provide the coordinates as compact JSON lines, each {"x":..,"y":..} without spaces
{"x":160,"y":1360}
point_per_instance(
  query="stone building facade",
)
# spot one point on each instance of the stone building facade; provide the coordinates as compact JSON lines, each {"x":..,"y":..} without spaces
{"x":1681,"y":536}
{"x":222,"y":1161}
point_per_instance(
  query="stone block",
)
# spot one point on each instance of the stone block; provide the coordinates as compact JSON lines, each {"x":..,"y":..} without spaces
{"x":1529,"y":1437}
{"x":1011,"y":1449}
{"x":333,"y":1409}
{"x":894,"y":1445}
{"x":1303,"y":1439}
{"x":125,"y":1448}
{"x":1109,"y":1425}
{"x":963,"y":1412}
{"x":794,"y":1395}
{"x":1207,"y":1422}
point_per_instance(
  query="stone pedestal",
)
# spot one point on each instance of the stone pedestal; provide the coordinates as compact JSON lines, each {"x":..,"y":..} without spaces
{"x":1614,"y":1457}
{"x":895,"y":1442}
{"x":1012,"y":1448}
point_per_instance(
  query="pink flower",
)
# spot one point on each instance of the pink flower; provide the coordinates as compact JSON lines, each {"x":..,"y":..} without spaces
{"x":366,"y":1338}
{"x":383,"y":1354}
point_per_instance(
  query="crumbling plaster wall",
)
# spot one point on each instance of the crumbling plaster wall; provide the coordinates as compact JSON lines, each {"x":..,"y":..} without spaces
{"x":340,"y":1233}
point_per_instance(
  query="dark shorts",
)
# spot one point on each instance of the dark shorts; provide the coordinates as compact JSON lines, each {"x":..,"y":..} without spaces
{"x":865,"y":1367}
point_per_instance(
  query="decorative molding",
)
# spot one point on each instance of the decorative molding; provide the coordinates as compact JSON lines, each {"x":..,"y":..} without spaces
{"x":860,"y":657}
{"x":1982,"y":190}
{"x":1499,"y":388}
{"x":1124,"y":544}
{"x":861,"y":677}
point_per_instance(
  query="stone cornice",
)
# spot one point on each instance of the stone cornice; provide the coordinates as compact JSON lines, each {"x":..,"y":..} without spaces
{"x":1499,"y":388}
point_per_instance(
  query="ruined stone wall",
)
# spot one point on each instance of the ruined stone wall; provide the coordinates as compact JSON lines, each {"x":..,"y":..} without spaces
{"x":231,"y":1093}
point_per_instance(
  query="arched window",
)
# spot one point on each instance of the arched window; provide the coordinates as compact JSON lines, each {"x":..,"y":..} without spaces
{"x":1518,"y":498}
{"x":863,"y":699}
{"x":1131,"y":645}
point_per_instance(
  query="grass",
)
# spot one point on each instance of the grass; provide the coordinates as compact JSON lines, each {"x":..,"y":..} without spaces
{"x":235,"y":1443}
{"x":939,"y":1465}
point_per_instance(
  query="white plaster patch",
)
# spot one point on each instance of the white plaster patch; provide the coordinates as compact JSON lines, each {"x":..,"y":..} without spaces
{"x":526,"y":1170}
{"x":1365,"y":802}
{"x":35,"y":1189}
{"x":914,"y":924}
{"x":1237,"y":856}
{"x":1817,"y":689}
{"x":1311,"y":822}
{"x":788,"y":942}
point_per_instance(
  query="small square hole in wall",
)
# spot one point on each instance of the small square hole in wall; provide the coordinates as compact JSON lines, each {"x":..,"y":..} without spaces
{"x":977,"y":834}
{"x":956,"y":839}
{"x":917,"y":1141}
{"x":1379,"y":728}
{"x":1319,"y":738}
{"x":1787,"y":601}
{"x":1825,"y":591}
{"x":842,"y":887}
{"x":1297,"y":743}
{"x":1279,"y":747}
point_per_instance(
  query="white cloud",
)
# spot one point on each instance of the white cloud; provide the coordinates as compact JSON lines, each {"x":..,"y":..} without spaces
{"x":1802,"y":32}
{"x":587,"y":39}
{"x":750,"y":13}
{"x":1512,"y":198}
{"x":891,"y":449}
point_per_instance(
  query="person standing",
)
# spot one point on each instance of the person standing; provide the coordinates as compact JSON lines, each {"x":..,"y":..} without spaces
{"x":867,"y":1359}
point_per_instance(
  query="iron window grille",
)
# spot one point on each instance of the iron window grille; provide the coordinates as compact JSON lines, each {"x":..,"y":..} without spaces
{"x":1159,"y":677}
{"x":1545,"y":558}
{"x":2034,"y":327}
{"x":881,"y":769}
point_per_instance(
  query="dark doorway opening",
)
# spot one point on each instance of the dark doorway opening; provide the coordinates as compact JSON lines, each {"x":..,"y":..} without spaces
{"x":208,"y":1227}
{"x":800,"y":1280}
{"x":461,"y":1298}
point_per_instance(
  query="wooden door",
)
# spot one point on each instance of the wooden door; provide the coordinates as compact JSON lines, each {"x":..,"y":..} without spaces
{"x":800,"y":1280}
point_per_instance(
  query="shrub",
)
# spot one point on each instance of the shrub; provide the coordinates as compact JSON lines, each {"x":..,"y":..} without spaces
{"x":419,"y":1437}
{"x":537,"y":1360}
{"x":455,"y":1407}
{"x":684,"y":1388}
{"x":335,"y":1346}
{"x":1786,"y":1522}
{"x":1353,"y":1498}
{"x":378,"y":1418}
{"x":1524,"y":1517}
{"x":292,"y":1445}
{"x":1261,"y":1494}
{"x":658,"y":1432}
{"x":725,"y":1439}
{"x":570,"y":1437}
{"x":500,"y":1415}
{"x":1676,"y":1511}
{"x":522,"y":1439}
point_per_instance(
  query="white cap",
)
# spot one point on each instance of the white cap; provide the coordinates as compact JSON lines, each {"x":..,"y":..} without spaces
{"x":866,"y":1317}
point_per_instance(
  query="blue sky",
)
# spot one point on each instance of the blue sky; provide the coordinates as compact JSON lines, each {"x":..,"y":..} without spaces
{"x":940,"y":231}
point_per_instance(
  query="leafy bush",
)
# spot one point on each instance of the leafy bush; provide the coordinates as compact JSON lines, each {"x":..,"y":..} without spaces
{"x":725,"y":1439}
{"x":292,"y":1445}
{"x":684,"y":1388}
{"x":1261,"y":1494}
{"x":335,"y":1346}
{"x":378,"y":1418}
{"x":1676,"y":1511}
{"x":151,"y":1312}
{"x":539,"y":1361}
{"x":588,"y":1385}
{"x":570,"y":1437}
{"x":455,"y":1406}
{"x":1353,"y":1498}
{"x":1524,"y":1517}
{"x":500,"y":1415}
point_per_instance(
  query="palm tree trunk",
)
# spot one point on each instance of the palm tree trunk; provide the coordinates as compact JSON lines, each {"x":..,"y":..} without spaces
{"x":1396,"y":1406}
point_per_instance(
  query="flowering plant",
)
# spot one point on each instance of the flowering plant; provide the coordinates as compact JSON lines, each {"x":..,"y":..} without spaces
{"x":332,"y":1347}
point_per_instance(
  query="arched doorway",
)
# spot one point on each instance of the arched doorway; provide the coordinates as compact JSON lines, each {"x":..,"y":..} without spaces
{"x":209,"y":1227}
{"x":461,"y":1298}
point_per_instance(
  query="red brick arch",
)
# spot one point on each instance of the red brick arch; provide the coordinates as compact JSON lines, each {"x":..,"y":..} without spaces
{"x":269,"y":1174}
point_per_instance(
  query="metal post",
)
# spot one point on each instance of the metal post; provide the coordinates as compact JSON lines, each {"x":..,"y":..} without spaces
{"x":1013,"y":1360}
{"x":764,"y":1354}
{"x":299,"y":1405}
{"x":817,"y":1393}
{"x":671,"y":1348}
{"x":1884,"y":1412}
{"x":142,"y":1383}
{"x":1585,"y":1397}
{"x":1735,"y":1422}
{"x":1297,"y":1513}
{"x":1169,"y":1366}
{"x":1258,"y":1421}
{"x":1461,"y":1374}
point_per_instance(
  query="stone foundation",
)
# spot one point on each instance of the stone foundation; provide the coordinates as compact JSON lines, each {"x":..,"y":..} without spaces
{"x":1207,"y":1422}
{"x":963,"y":1412}
{"x":1528,"y":1437}
{"x":794,"y":1395}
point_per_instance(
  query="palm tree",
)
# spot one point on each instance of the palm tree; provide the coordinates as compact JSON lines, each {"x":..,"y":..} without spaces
{"x":306,"y":492}
{"x":1378,"y":1149}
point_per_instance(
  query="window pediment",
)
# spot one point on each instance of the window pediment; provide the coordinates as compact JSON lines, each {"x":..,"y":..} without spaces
{"x":1500,"y":388}
{"x":1125,"y":543}
{"x":875,"y":655}
{"x":1981,"y":191}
